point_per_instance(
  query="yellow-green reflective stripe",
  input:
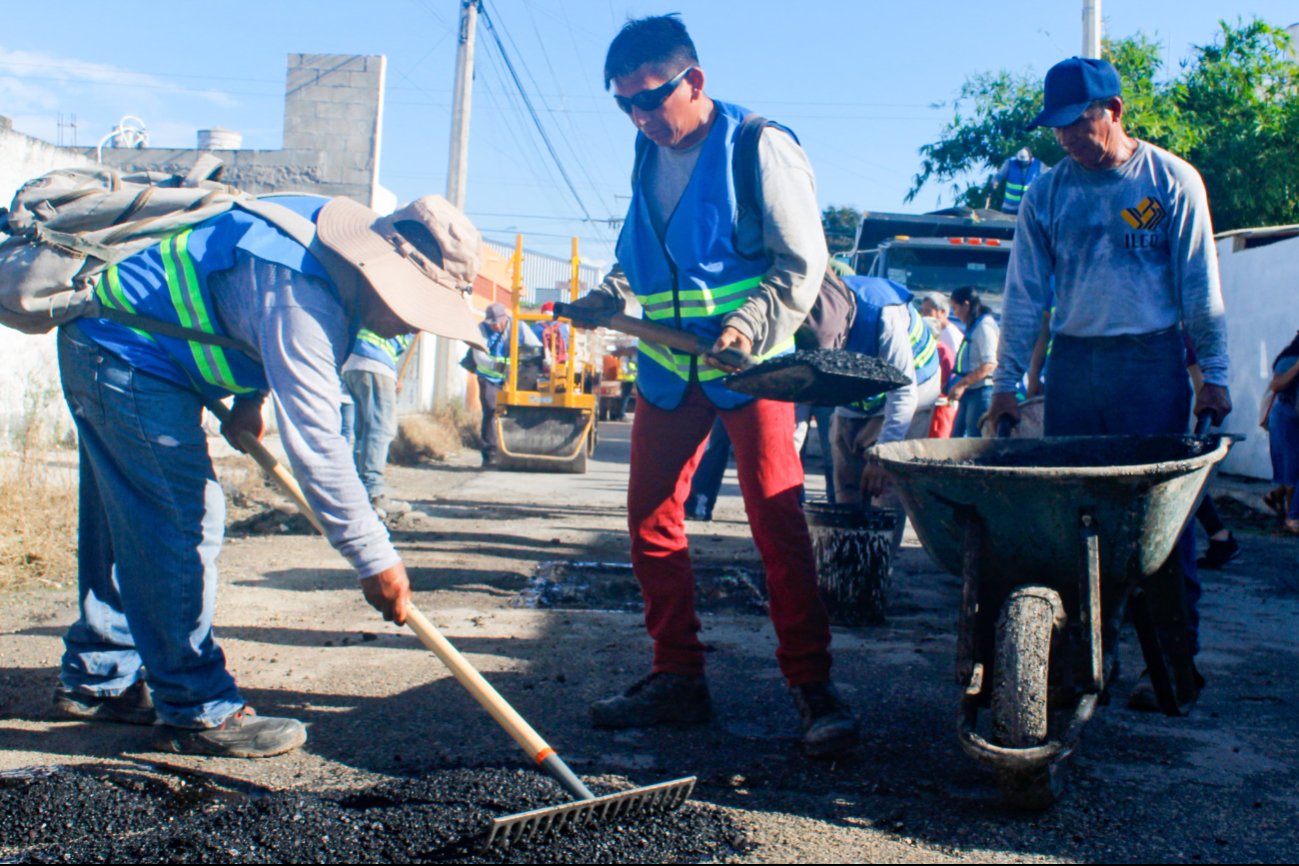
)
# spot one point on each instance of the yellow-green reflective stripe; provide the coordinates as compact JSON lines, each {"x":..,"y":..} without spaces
{"x":378,"y":342}
{"x":917,"y":334}
{"x":216,"y":353}
{"x":110,"y":294}
{"x":182,"y":283}
{"x":665,"y":358}
{"x":700,"y":294}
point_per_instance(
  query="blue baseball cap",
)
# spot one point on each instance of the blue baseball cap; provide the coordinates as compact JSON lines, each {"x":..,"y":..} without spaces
{"x":1073,"y":84}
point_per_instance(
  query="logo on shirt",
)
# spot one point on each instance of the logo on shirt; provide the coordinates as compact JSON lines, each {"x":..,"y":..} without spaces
{"x":1149,"y":215}
{"x":1145,"y":219}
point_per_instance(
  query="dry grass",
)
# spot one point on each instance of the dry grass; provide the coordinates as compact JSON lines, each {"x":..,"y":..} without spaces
{"x":434,"y":436}
{"x":38,"y":527}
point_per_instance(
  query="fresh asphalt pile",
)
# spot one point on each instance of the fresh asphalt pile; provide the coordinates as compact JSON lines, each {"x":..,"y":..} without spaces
{"x":824,"y":377}
{"x":143,"y":815}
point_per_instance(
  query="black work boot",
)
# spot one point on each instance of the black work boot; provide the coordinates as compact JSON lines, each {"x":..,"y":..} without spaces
{"x":133,"y":706}
{"x":829,"y":727}
{"x":1219,"y":553}
{"x":658,"y":699}
{"x":242,"y":735}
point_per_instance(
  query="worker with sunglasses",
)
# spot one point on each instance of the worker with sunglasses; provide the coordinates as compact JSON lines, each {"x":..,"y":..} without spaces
{"x":696,"y":260}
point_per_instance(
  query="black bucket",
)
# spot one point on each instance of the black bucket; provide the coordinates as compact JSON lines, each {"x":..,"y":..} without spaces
{"x":853,"y":547}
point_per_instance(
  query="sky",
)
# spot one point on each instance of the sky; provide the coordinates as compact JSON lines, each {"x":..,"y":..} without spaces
{"x":863,"y":84}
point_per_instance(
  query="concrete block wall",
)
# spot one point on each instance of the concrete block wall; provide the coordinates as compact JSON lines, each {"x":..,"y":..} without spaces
{"x":333,"y":117}
{"x":29,"y":383}
{"x":338,"y":99}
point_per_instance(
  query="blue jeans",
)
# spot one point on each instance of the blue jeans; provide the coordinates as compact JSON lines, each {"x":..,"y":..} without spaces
{"x":972,"y":406}
{"x":707,"y":482}
{"x":1137,"y":386}
{"x":1283,"y":440}
{"x":375,"y":397}
{"x":151,"y":524}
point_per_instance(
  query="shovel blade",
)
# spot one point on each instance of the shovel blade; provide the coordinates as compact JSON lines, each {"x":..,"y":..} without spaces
{"x":539,"y":823}
{"x":822,"y":377}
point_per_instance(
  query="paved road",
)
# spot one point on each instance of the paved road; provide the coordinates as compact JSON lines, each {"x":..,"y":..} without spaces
{"x":1219,"y":785}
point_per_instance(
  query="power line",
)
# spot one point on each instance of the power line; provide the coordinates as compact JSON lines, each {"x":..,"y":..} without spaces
{"x":536,"y":119}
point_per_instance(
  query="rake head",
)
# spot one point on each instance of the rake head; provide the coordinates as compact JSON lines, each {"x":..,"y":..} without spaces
{"x":580,"y":814}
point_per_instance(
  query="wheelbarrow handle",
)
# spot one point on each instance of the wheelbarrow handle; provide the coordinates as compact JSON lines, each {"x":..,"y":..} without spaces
{"x":674,"y":338}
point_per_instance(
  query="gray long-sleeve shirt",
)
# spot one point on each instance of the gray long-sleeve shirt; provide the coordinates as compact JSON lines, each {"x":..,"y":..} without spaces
{"x":299,"y":330}
{"x":788,"y":229}
{"x":1131,"y":252}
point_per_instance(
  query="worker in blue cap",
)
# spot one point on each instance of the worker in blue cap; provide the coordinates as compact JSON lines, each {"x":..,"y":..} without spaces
{"x":1122,"y":227}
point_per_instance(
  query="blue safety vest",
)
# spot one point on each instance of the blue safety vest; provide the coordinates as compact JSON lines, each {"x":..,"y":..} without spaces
{"x":498,"y":351}
{"x":370,"y":345}
{"x":962,"y":365}
{"x":873,"y":295}
{"x":169,"y":282}
{"x":695,"y":276}
{"x":1018,"y":179}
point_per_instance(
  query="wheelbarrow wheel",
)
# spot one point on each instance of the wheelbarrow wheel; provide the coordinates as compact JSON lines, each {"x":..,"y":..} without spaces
{"x":1030,"y":620}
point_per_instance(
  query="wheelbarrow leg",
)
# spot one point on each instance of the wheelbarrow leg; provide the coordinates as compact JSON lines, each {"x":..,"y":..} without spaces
{"x":969,"y":647}
{"x":1089,"y":604}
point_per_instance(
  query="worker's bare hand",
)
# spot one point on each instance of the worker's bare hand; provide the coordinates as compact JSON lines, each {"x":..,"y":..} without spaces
{"x":245,"y":417}
{"x":1003,"y":405}
{"x":389,"y":593}
{"x":730,"y":338}
{"x":1214,"y":399}
{"x":1034,"y":387}
{"x":875,"y":480}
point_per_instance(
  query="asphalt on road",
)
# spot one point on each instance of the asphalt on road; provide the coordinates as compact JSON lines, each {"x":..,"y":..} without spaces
{"x":1215,"y":786}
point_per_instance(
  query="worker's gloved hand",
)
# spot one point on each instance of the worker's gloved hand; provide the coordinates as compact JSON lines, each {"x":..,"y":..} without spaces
{"x":245,"y":417}
{"x":389,"y":593}
{"x":592,"y":310}
{"x":1003,"y":405}
{"x":1213,"y":399}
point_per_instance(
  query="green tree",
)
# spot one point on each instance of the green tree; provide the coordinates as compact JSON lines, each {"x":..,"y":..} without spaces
{"x":840,"y":225}
{"x":1232,"y":111}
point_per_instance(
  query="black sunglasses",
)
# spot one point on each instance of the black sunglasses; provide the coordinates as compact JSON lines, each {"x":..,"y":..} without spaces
{"x":650,"y":100}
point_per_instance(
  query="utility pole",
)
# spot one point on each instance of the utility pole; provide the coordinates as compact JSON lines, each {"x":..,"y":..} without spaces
{"x":446,"y":368}
{"x":1091,"y":28}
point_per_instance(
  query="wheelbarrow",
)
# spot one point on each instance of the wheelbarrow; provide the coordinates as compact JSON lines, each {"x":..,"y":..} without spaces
{"x":1052,"y":538}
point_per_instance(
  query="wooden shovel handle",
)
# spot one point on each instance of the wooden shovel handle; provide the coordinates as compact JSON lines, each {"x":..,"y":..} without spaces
{"x":272,"y":467}
{"x":483,"y":692}
{"x":682,"y":341}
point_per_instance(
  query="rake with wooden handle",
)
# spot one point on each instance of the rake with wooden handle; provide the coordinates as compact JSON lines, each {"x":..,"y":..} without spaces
{"x":586,"y":808}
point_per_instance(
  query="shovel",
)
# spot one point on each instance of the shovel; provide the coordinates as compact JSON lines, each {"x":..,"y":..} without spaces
{"x":822,"y":377}
{"x":586,"y":808}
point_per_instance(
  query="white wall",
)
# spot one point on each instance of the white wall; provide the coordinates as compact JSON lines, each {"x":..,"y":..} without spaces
{"x":1261,"y":289}
{"x":29,"y":375}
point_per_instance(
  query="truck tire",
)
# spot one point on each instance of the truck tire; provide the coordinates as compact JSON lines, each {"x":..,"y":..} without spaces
{"x":1030,"y":620}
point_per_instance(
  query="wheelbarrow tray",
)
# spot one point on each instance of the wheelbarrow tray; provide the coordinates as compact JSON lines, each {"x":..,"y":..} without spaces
{"x":1029,"y":494}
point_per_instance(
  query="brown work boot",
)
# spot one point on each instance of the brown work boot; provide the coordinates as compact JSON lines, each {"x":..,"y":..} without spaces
{"x":133,"y":706}
{"x":658,"y":699}
{"x":829,"y":726}
{"x":242,"y":735}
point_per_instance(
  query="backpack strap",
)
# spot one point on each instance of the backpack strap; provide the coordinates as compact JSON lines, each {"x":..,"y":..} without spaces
{"x":746,"y":173}
{"x":169,"y":329}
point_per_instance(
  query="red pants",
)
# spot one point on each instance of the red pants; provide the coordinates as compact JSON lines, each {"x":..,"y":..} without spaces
{"x":666,"y":446}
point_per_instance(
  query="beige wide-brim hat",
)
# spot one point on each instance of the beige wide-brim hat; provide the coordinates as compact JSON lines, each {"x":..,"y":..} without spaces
{"x":401,"y":270}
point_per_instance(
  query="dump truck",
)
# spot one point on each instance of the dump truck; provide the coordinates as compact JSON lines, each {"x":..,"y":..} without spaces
{"x":937,"y":252}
